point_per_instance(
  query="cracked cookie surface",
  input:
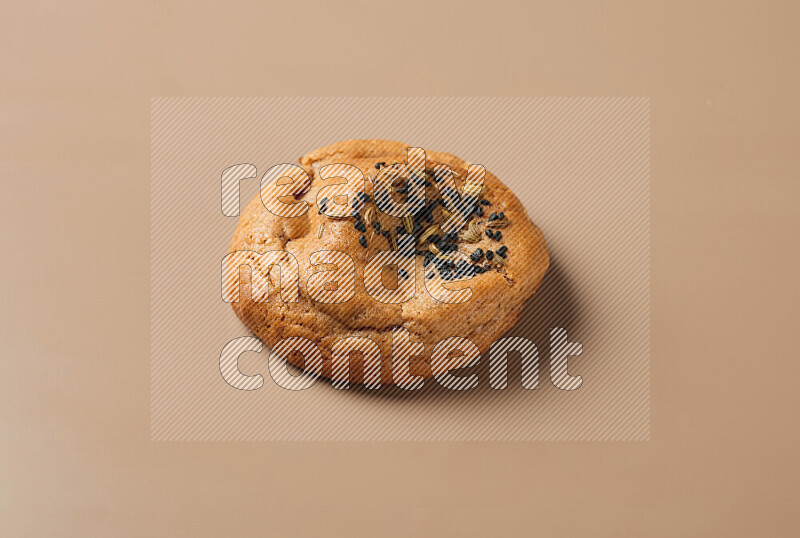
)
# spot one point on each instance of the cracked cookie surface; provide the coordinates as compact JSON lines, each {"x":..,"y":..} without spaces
{"x":503,"y":259}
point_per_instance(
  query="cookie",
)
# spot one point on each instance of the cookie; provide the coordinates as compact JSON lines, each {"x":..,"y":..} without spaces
{"x":372,"y":241}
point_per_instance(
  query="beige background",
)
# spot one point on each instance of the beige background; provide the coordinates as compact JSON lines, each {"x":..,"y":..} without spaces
{"x":75,"y":456}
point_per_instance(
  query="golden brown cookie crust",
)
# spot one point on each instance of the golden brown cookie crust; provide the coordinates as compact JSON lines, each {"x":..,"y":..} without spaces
{"x":498,"y":296}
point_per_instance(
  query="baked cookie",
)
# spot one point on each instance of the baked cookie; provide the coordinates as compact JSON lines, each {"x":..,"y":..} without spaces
{"x":401,"y":247}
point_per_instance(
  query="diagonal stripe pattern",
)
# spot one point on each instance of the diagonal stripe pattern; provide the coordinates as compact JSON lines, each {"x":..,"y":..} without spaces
{"x":580,"y":166}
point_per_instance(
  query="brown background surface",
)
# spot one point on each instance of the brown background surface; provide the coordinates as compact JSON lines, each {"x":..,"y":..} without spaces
{"x":75,"y":455}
